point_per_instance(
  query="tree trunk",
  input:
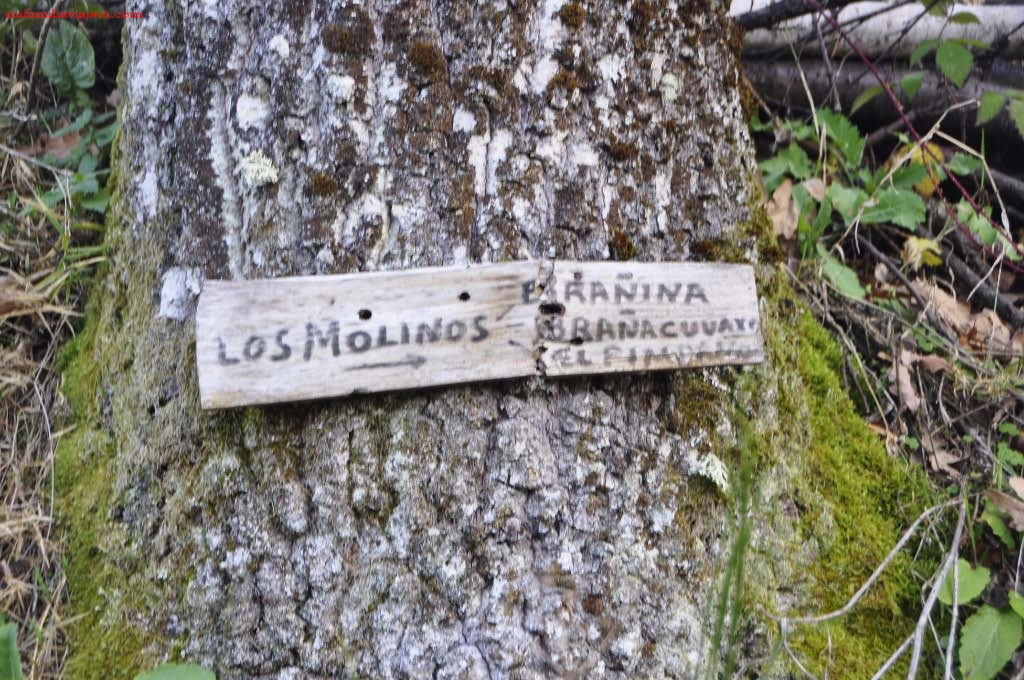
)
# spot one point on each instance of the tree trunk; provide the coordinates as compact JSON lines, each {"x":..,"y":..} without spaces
{"x":523,"y":529}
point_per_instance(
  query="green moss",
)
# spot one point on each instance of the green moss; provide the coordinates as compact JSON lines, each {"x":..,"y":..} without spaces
{"x":104,"y":642}
{"x":845,"y":498}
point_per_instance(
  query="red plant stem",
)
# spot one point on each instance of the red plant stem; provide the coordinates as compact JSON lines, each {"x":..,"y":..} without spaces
{"x":917,"y":137}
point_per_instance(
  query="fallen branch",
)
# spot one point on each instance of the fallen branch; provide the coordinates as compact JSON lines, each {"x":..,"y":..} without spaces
{"x":884,"y":33}
{"x":778,"y":82}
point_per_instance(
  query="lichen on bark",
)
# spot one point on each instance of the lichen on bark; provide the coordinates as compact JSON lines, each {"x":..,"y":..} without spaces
{"x":520,"y":529}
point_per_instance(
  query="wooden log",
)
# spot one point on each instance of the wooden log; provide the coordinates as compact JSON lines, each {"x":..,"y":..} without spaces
{"x":260,"y":342}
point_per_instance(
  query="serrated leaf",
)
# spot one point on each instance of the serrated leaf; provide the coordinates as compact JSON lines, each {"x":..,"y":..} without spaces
{"x":1017,"y":114}
{"x":988,"y":640}
{"x":68,"y":60}
{"x":10,"y":659}
{"x":955,"y":61}
{"x":998,"y":526}
{"x":843,"y":134}
{"x":964,"y":18}
{"x":175,"y":671}
{"x":971,"y":580}
{"x":864,"y":97}
{"x":792,"y":161}
{"x":963,"y":164}
{"x":898,"y":206}
{"x":842,"y":277}
{"x":845,"y":200}
{"x":922,"y":49}
{"x":1017,"y":603}
{"x":909,"y":175}
{"x":911,"y":84}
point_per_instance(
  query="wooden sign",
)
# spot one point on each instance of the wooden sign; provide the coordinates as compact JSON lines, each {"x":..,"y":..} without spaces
{"x":260,"y":342}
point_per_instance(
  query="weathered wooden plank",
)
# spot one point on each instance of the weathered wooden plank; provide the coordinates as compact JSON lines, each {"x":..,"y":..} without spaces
{"x":609,"y":317}
{"x":260,"y":342}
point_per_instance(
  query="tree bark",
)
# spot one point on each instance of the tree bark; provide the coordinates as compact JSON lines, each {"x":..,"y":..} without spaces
{"x":524,"y":529}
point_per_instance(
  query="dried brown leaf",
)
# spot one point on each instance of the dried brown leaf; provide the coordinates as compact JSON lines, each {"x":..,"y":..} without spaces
{"x":782,"y":210}
{"x":983,"y":331}
{"x":1008,"y":505}
{"x":815,"y":187}
{"x":901,"y":377}
{"x":1017,"y":484}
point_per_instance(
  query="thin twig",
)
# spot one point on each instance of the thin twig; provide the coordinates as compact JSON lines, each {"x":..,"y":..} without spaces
{"x":842,"y":611}
{"x":922,"y":620}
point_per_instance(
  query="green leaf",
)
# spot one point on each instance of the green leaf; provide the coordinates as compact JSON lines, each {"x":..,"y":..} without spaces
{"x":97,"y":202}
{"x":864,"y":97}
{"x":938,"y":8}
{"x":964,"y":164}
{"x":988,"y":640}
{"x":964,"y":18}
{"x":922,"y":50}
{"x":995,"y":522}
{"x":1017,"y":603}
{"x":175,"y":671}
{"x":909,"y":175}
{"x":10,"y":659}
{"x":1009,"y":429}
{"x":1017,"y":114}
{"x":898,"y":206}
{"x":80,"y":122}
{"x":844,"y":134}
{"x":1008,"y":455}
{"x":68,"y":60}
{"x":845,"y":200}
{"x":911,"y":84}
{"x":792,"y":161}
{"x":955,"y":61}
{"x":972,"y":582}
{"x":842,"y":277}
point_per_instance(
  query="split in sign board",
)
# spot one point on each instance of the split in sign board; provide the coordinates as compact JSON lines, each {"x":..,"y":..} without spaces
{"x":290,"y":339}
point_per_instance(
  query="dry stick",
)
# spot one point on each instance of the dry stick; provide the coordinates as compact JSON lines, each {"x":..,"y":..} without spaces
{"x":833,"y":92}
{"x":948,"y":671}
{"x":821,"y":618}
{"x":780,"y":11}
{"x":986,"y":294}
{"x":862,"y":240}
{"x":894,"y":100}
{"x":922,"y":621}
{"x":893,"y":659}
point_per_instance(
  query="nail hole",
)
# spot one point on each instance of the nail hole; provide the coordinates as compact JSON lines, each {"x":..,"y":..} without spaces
{"x":365,"y":314}
{"x":463,"y":296}
{"x":576,"y":341}
{"x":552,"y":308}
{"x":578,"y":276}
